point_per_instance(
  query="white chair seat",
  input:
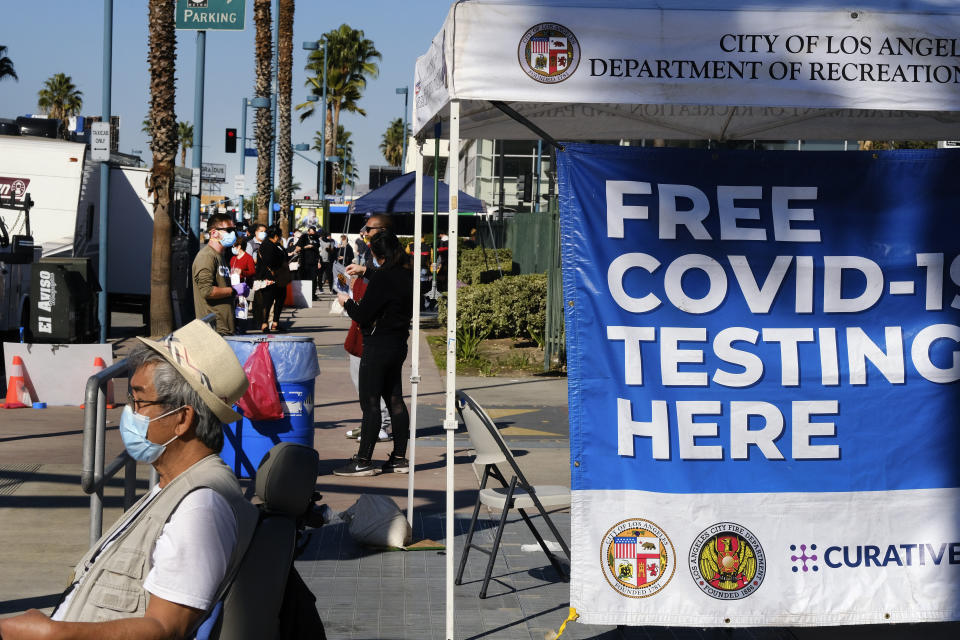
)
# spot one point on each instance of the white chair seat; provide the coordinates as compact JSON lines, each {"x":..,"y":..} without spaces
{"x":550,"y":496}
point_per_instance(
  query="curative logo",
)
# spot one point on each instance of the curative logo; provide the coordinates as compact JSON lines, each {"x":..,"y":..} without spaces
{"x":638,"y":558}
{"x":549,"y":52}
{"x":803,"y":557}
{"x":727,"y":561}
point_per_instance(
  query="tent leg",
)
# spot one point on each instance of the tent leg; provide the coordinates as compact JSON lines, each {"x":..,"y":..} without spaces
{"x":415,"y":338}
{"x":450,"y":420}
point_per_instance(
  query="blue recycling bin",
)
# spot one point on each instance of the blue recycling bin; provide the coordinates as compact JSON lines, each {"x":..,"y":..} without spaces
{"x":295,"y":362}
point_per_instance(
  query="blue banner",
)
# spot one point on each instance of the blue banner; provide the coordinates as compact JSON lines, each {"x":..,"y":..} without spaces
{"x":745,"y":322}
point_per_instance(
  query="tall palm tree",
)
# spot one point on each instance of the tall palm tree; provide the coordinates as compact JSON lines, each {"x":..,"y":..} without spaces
{"x":391,"y":146}
{"x":163,"y":143}
{"x":185,"y":139}
{"x":347,"y":165}
{"x":262,"y":54}
{"x":59,"y":98}
{"x":6,"y":65}
{"x":284,"y":91}
{"x":351,"y":58}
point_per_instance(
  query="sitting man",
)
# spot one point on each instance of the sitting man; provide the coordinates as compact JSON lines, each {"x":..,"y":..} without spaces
{"x":170,"y":557}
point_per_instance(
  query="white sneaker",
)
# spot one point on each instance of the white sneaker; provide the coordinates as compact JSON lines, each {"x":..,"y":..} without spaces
{"x":354,"y":434}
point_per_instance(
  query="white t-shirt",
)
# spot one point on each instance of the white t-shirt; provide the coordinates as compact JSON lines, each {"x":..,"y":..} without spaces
{"x":192,"y":553}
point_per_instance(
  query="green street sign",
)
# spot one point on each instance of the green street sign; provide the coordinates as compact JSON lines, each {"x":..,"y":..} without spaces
{"x":210,"y":14}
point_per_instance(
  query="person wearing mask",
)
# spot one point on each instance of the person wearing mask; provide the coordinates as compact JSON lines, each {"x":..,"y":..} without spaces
{"x":212,"y":292}
{"x":384,"y":318}
{"x":169,"y":558}
{"x":258,"y":234}
{"x":274,"y":271}
{"x":361,"y":251}
{"x":242,"y":266}
{"x":344,"y":251}
{"x":328,"y":255}
{"x":308,"y":254}
{"x":353,"y":345}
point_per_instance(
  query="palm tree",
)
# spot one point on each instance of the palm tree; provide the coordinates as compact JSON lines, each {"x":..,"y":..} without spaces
{"x":345,"y":153}
{"x":59,"y":98}
{"x":6,"y":65}
{"x":163,"y":143}
{"x":351,"y":59}
{"x":185,"y":139}
{"x":284,"y":90}
{"x":392,"y":144}
{"x":262,"y":53}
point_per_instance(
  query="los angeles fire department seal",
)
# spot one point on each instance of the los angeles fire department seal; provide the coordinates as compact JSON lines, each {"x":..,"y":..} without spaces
{"x":549,"y":52}
{"x":727,"y":561}
{"x":638,"y":558}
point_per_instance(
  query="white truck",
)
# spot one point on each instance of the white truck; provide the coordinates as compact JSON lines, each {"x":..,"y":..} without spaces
{"x":64,"y":185}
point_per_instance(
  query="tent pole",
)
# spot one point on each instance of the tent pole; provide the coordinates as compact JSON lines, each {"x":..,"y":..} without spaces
{"x":415,"y":339}
{"x":450,"y":421}
{"x":536,"y":206}
{"x":434,"y":256}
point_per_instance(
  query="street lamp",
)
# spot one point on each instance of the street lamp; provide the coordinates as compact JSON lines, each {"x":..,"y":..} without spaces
{"x":256,"y":103}
{"x":313,"y":46}
{"x":403,"y":159}
{"x":297,"y":148}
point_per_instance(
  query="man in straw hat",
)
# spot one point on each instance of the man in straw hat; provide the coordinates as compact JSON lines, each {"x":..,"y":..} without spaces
{"x":170,"y":557}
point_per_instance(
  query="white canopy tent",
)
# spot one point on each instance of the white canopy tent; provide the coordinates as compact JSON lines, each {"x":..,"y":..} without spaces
{"x":680,"y":69}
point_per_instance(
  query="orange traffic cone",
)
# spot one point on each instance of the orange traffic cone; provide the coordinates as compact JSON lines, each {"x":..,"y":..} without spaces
{"x":98,"y":366}
{"x":18,"y":396}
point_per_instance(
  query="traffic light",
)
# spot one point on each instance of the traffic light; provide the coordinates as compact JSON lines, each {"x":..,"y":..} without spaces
{"x":328,"y":178}
{"x":525,"y":187}
{"x":230,"y":143}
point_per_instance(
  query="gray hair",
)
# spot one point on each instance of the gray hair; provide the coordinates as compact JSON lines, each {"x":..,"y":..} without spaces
{"x":173,"y":392}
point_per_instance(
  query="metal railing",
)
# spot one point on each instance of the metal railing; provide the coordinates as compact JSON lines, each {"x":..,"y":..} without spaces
{"x":94,"y":474}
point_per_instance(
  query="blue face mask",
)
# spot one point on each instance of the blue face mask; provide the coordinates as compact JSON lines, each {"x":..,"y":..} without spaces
{"x":133,"y":430}
{"x":376,"y":262}
{"x":228,"y":239}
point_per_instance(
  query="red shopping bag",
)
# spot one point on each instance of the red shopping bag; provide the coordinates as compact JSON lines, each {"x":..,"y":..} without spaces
{"x":261,"y":402}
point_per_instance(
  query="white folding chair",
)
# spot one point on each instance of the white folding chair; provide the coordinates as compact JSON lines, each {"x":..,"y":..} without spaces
{"x":517,"y":494}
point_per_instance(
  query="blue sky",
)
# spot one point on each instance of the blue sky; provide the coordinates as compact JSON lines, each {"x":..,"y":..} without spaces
{"x":44,"y":37}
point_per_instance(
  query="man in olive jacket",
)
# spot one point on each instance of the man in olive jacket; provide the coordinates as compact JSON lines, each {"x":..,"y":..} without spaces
{"x":212,"y":292}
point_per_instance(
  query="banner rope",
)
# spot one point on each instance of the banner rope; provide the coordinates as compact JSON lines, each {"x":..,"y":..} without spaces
{"x":570,"y":618}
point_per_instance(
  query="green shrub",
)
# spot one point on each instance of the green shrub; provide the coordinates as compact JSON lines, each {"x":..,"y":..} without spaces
{"x":475,"y":266}
{"x":511,"y":307}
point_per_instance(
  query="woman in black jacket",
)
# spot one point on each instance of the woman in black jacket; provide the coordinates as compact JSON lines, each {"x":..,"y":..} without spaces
{"x":384,"y":318}
{"x":272,"y":267}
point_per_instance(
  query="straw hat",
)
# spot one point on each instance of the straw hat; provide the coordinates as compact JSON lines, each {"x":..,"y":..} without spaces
{"x":207,"y":363}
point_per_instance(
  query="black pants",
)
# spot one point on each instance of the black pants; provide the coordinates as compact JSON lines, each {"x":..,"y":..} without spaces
{"x":326,"y":275}
{"x":380,"y":377}
{"x":309,"y":272}
{"x":272,"y":296}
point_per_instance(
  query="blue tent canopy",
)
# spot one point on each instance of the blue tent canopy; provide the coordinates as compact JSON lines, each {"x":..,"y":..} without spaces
{"x":397,"y":196}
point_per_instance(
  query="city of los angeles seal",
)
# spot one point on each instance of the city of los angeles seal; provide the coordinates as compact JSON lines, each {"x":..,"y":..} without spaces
{"x":727,"y":561}
{"x":638,"y":558}
{"x":549,"y":52}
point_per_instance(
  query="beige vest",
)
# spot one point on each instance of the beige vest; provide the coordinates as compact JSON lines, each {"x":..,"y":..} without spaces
{"x":113,"y":586}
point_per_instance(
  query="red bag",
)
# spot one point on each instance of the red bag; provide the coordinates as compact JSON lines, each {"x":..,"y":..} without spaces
{"x":261,"y":402}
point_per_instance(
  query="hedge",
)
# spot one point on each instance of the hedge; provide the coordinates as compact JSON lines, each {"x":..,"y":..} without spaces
{"x":476,"y":266}
{"x":511,"y":307}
